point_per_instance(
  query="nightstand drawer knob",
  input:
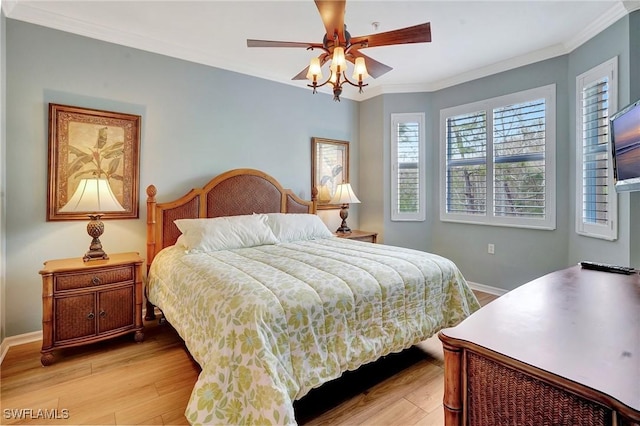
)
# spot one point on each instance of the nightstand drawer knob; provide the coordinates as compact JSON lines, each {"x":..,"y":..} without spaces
{"x":95,"y":280}
{"x":91,"y":316}
{"x":103,"y":314}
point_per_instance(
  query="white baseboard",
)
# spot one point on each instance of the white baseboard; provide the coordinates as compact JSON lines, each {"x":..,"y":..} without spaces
{"x":18,"y":340}
{"x":487,"y":289}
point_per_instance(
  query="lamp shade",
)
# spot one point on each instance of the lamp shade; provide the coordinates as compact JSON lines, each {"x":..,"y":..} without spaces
{"x":338,"y":61}
{"x":360,"y":70}
{"x":315,"y":71}
{"x":344,"y":195}
{"x":93,"y":195}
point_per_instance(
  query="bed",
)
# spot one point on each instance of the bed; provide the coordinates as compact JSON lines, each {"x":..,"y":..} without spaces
{"x":271,"y":304}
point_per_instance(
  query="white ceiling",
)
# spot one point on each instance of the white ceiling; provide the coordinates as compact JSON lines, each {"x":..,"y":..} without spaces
{"x":470,"y":39}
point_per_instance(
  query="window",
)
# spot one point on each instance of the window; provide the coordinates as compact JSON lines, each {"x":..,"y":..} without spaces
{"x":497,"y":163}
{"x":597,"y":201}
{"x":407,"y":167}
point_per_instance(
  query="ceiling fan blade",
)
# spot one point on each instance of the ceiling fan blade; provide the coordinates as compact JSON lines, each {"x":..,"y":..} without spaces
{"x":271,"y":43}
{"x":417,"y":34}
{"x":302,"y":75}
{"x":332,"y":14}
{"x":374,"y":68}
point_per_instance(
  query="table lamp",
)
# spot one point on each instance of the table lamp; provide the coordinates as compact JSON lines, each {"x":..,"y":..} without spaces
{"x":344,"y":195}
{"x":93,"y":195}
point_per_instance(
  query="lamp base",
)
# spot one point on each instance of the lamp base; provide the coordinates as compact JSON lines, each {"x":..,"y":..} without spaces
{"x":95,"y":228}
{"x":344,"y":213}
{"x":343,"y":230}
{"x":95,"y":255}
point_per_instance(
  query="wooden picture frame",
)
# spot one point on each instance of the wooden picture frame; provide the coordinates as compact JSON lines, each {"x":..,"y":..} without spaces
{"x":329,"y":168}
{"x":87,"y":142}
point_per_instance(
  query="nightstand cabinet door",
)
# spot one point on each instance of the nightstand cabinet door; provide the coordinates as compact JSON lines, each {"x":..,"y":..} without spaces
{"x":115,"y":309}
{"x":75,"y":317}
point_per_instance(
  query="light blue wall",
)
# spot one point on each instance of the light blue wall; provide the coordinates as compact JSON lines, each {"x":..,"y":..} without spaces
{"x":375,"y":166}
{"x":520,"y":254}
{"x":634,"y":55}
{"x":197,"y":122}
{"x":634,"y":90}
{"x":614,"y":41}
{"x":466,"y":245}
{"x":371,"y":163}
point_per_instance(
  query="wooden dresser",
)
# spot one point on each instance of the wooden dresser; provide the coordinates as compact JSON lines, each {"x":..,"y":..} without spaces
{"x":83,"y":302}
{"x":563,"y":349}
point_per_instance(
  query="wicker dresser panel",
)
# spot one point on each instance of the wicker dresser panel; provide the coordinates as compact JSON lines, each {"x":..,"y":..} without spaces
{"x":74,"y":317}
{"x":74,"y":280}
{"x":498,"y":395}
{"x":115,"y":309}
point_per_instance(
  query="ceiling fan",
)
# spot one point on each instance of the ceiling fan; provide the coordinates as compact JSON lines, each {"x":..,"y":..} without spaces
{"x":339,"y":46}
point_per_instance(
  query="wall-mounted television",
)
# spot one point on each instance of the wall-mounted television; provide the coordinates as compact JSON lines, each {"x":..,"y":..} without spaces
{"x":624,"y":129}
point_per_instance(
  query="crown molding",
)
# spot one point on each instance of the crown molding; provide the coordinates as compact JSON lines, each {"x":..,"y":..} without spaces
{"x":631,"y":5}
{"x":498,"y":67}
{"x":25,"y":11}
{"x":617,"y":11}
{"x":8,"y":6}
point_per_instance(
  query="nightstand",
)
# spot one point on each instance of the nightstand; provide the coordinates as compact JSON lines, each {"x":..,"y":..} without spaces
{"x":84,"y":302}
{"x":370,"y":237}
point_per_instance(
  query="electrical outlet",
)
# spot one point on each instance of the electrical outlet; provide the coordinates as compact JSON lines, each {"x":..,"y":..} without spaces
{"x":491,"y":249}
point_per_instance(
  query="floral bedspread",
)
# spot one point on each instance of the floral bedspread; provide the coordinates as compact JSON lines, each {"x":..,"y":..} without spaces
{"x":269,"y":323}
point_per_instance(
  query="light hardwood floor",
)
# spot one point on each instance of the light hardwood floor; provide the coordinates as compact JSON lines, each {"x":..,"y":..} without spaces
{"x":121,"y":382}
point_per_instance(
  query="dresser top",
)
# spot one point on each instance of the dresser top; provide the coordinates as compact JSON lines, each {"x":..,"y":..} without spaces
{"x":582,"y":325}
{"x":77,"y":264}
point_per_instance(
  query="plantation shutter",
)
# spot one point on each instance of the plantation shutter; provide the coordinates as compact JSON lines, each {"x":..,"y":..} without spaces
{"x":518,"y":157}
{"x":497,"y":165}
{"x":408,"y":157}
{"x":408,"y":198}
{"x":595,"y":153}
{"x":597,"y":201}
{"x":467,"y":163}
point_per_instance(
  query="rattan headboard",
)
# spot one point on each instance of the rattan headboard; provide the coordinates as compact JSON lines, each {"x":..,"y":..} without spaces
{"x":236,"y":192}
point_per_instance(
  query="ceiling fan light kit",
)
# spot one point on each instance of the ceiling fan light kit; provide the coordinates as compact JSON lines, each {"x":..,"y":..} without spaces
{"x":339,"y":47}
{"x":338,"y":75}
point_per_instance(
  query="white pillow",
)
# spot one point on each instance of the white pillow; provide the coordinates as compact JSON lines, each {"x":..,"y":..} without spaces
{"x":224,"y":233}
{"x":297,"y":226}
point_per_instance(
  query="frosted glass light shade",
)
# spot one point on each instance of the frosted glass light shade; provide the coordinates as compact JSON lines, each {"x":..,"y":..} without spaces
{"x":94,"y":196}
{"x":315,"y":71}
{"x":360,"y":70}
{"x":338,"y":60}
